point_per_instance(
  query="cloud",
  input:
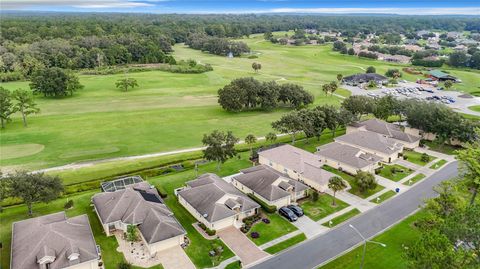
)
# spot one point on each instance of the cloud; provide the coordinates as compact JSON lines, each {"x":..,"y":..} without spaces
{"x":400,"y":11}
{"x":89,"y":4}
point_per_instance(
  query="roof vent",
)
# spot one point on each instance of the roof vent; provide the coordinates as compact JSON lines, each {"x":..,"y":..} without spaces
{"x":205,"y":215}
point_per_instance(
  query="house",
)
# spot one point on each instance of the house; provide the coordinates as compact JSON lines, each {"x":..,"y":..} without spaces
{"x":440,"y":76}
{"x":393,"y":59}
{"x":139,"y":204}
{"x":348,"y":158}
{"x":53,"y":241}
{"x":298,"y":164}
{"x":216,"y":203}
{"x":365,"y":78}
{"x":386,"y":129}
{"x":376,"y":144}
{"x":270,"y":186}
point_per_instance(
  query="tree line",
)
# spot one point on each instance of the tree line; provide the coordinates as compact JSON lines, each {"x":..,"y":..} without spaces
{"x":249,"y":93}
{"x":216,"y":45}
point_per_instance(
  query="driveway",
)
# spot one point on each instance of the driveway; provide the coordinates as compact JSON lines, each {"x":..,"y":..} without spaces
{"x":320,"y":250}
{"x":309,"y":227}
{"x":245,"y":249}
{"x":175,"y":258}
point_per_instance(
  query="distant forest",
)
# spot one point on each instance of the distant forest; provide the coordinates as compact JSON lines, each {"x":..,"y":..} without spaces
{"x":29,"y":42}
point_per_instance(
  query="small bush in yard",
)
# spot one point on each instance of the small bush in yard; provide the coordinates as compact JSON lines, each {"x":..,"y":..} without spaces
{"x":68,"y":204}
{"x":266,"y":220}
{"x":314,"y":196}
{"x":425,"y":158}
{"x":405,"y":157}
{"x":255,"y":235}
{"x":124,"y":265}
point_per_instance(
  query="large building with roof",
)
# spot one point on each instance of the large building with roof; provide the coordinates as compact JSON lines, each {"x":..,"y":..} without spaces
{"x":216,"y":203}
{"x":270,"y":186}
{"x":298,"y":164}
{"x":441,"y":76}
{"x":362,"y":78}
{"x":386,"y":129}
{"x":53,"y":241}
{"x":139,"y":204}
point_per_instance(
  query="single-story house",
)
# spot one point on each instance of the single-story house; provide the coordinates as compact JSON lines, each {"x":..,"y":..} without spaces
{"x":365,"y":78}
{"x":53,"y":241}
{"x":348,"y":158}
{"x":373,"y":143}
{"x":440,"y":76}
{"x":298,"y":164}
{"x":269,"y":185}
{"x":140,"y":204}
{"x":386,"y":129}
{"x":216,"y":203}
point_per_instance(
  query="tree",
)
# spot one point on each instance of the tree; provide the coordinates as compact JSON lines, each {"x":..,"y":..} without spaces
{"x":385,"y":107}
{"x":339,"y":78}
{"x":370,"y":69}
{"x":35,"y":187}
{"x":425,"y":157}
{"x":333,"y":87}
{"x":256,"y":66}
{"x":6,"y":106}
{"x":458,"y":59}
{"x":289,"y":123}
{"x":250,"y":140}
{"x":326,"y":88}
{"x":336,"y":183}
{"x":365,"y":181}
{"x":448,"y":84}
{"x":126,"y":83}
{"x":393,"y":73}
{"x":25,"y":104}
{"x":359,"y":105}
{"x":132,"y":234}
{"x":470,"y":164}
{"x":220,"y":146}
{"x":54,"y":81}
{"x":271,"y":137}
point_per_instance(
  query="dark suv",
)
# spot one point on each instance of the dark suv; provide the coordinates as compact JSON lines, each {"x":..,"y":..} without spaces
{"x":287,"y":213}
{"x":296,"y":209}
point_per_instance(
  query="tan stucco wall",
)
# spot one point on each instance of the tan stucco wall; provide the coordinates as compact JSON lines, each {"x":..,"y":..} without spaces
{"x":93,"y":264}
{"x":164,"y":244}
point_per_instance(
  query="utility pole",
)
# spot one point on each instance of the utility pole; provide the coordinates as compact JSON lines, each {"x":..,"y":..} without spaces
{"x":365,"y":241}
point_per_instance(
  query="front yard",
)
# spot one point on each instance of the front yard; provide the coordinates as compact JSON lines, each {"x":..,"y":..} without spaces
{"x":418,"y":158}
{"x":351,"y":180}
{"x":277,"y":227}
{"x":383,"y":197}
{"x":438,"y":164}
{"x":316,"y":210}
{"x":414,"y":179}
{"x":286,"y":244}
{"x":394,"y":172}
{"x":337,"y":220}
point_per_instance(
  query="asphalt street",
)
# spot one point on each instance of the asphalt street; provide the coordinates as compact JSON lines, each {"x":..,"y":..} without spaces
{"x":319,"y":250}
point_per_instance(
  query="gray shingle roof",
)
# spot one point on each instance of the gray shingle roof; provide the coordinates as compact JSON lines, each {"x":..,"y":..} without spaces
{"x":370,"y":140}
{"x":140,"y":205}
{"x":347,"y":154}
{"x":388,"y":129}
{"x":260,"y":179}
{"x":52,"y":235}
{"x":204,"y":193}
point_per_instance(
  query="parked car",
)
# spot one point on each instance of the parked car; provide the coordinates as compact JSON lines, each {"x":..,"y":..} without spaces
{"x":287,"y":213}
{"x":296,"y":209}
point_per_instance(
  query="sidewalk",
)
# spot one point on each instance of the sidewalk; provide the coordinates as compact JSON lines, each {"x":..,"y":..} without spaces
{"x":360,"y":203}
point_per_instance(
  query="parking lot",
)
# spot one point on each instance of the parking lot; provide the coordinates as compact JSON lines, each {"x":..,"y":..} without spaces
{"x":412,"y":90}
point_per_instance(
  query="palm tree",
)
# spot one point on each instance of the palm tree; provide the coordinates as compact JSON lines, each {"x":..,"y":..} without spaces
{"x":271,"y":137}
{"x":250,"y":140}
{"x":336,"y":183}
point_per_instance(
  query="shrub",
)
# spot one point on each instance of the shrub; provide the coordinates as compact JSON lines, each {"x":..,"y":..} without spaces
{"x":11,"y":76}
{"x":68,"y":204}
{"x":161,"y":190}
{"x":425,"y":158}
{"x":124,"y":265}
{"x":314,"y":196}
{"x":405,"y":157}
{"x":265,"y":206}
{"x":206,"y":229}
{"x":266,"y":220}
{"x":254,"y":235}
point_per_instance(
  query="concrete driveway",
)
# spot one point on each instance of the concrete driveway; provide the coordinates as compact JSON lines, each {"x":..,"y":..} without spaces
{"x":175,"y":258}
{"x":309,"y":227}
{"x":245,"y":249}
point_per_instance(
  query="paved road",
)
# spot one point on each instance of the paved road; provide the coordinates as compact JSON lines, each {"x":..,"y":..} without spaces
{"x":321,"y":249}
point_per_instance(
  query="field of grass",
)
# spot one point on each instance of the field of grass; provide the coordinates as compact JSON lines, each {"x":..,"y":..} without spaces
{"x":277,"y":227}
{"x":414,"y":179}
{"x":322,"y":207}
{"x":383,"y":197}
{"x":351,"y":180}
{"x":286,"y":244}
{"x":438,"y":164}
{"x":338,"y":220}
{"x":475,"y":108}
{"x":390,"y":257}
{"x":416,"y":157}
{"x":171,"y":111}
{"x":395,"y":172}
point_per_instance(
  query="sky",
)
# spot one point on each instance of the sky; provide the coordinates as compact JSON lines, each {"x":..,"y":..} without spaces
{"x":402,"y":7}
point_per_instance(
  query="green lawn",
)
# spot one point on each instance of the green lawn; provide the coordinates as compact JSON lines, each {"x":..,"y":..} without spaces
{"x":322,"y":207}
{"x":414,"y":179}
{"x":390,"y":257}
{"x":438,"y":164}
{"x":286,"y":244}
{"x":234,"y":265}
{"x":351,"y":180}
{"x":475,"y":108}
{"x":416,"y":157}
{"x":395,"y":172}
{"x":277,"y":227}
{"x":338,"y":220}
{"x":383,"y":197}
{"x":442,"y":148}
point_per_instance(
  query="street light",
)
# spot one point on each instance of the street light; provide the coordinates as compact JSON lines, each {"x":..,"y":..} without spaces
{"x":365,"y":241}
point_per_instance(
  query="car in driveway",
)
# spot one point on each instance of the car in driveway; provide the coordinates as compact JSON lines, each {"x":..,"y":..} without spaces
{"x":296,"y":209}
{"x":287,"y":213}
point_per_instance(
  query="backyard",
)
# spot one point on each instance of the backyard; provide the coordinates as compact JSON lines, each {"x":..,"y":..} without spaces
{"x":321,"y":208}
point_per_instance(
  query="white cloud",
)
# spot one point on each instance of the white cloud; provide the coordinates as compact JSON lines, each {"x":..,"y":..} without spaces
{"x":100,"y":4}
{"x":400,"y":11}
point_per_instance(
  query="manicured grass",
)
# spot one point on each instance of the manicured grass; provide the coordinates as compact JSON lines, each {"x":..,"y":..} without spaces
{"x":416,"y":157}
{"x":277,"y":227}
{"x":391,"y":257}
{"x":322,"y":207}
{"x":474,"y":108}
{"x":438,"y":164}
{"x":351,"y":180}
{"x":445,"y":148}
{"x":414,"y":179}
{"x":383,"y":197}
{"x":338,"y":220}
{"x":234,"y":265}
{"x":286,"y":244}
{"x":395,"y":172}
